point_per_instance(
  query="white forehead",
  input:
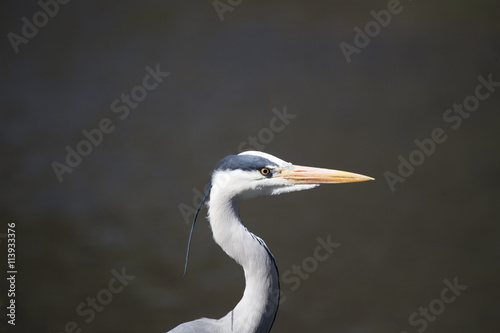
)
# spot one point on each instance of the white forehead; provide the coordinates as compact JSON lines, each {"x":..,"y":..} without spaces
{"x":270,"y":157}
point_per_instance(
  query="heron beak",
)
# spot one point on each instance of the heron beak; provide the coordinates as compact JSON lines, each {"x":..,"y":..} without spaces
{"x":308,"y":175}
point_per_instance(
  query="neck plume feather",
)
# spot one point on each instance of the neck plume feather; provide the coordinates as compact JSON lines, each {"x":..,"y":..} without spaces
{"x":257,"y":308}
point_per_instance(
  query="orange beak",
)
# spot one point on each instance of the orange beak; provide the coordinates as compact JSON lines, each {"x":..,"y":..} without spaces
{"x":308,"y":175}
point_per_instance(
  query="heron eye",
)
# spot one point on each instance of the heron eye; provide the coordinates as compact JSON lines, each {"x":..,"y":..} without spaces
{"x":265,"y":171}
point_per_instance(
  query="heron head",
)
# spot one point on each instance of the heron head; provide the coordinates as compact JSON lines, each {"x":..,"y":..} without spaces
{"x":253,"y":173}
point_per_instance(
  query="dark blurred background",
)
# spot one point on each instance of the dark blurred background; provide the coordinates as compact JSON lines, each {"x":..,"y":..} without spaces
{"x":124,"y":208}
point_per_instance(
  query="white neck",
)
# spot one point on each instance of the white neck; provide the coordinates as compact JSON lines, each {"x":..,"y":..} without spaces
{"x":258,"y":307}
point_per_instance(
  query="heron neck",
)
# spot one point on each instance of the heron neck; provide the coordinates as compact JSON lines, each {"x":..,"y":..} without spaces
{"x":258,"y":307}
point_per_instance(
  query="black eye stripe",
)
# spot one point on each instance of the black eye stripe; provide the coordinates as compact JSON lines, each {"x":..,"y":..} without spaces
{"x":244,"y":162}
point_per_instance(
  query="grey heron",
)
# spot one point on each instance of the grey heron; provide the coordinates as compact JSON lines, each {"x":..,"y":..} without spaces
{"x":242,"y":176}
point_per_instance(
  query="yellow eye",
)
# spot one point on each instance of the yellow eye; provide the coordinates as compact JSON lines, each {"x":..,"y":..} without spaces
{"x":265,"y":171}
